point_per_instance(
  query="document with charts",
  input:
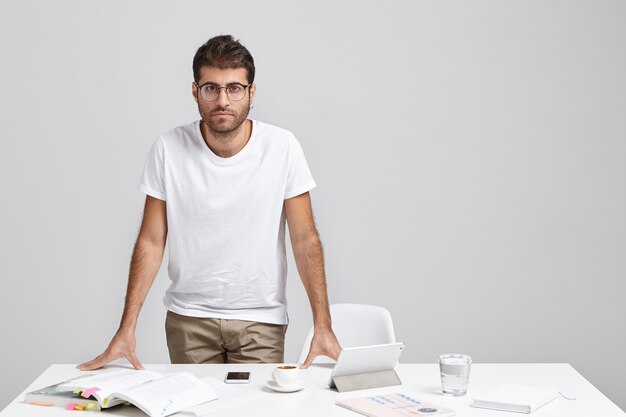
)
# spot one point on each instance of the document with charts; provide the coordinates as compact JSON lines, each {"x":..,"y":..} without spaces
{"x":394,"y":405}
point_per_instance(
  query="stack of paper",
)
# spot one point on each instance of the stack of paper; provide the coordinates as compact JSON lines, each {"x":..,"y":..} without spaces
{"x":517,"y":398}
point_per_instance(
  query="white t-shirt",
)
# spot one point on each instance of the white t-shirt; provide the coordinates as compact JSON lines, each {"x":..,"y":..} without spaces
{"x":226,"y":224}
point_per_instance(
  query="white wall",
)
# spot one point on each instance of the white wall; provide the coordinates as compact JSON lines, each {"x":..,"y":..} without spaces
{"x":470,"y":158}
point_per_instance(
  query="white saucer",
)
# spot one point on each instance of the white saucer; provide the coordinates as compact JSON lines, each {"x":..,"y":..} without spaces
{"x":290,"y":388}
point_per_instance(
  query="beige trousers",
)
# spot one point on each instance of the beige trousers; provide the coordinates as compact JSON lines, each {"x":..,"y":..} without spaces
{"x":209,"y":340}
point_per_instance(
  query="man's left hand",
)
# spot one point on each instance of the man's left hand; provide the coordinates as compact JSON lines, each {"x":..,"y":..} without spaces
{"x":324,"y":343}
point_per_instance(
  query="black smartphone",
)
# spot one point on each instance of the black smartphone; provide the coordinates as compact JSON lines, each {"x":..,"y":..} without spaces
{"x":237,"y":378}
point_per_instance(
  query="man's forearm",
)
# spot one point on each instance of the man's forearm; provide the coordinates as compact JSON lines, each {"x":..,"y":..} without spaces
{"x":144,"y":266}
{"x":310,"y":262}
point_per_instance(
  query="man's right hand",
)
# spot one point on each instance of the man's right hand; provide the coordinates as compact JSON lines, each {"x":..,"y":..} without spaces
{"x":122,"y":346}
{"x":144,"y":266}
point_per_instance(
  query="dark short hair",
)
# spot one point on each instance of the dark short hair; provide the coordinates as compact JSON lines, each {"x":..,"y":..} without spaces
{"x":223,"y":51}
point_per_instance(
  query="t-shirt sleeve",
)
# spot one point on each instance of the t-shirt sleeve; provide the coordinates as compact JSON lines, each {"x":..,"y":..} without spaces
{"x":153,"y":179}
{"x":299,"y":178}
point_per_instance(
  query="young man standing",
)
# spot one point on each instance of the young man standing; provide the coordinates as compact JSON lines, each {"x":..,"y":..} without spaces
{"x":221,"y":189}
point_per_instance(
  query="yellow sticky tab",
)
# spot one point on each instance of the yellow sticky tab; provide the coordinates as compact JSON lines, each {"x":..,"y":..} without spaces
{"x":79,"y":407}
{"x":90,"y":405}
{"x":76,"y":391}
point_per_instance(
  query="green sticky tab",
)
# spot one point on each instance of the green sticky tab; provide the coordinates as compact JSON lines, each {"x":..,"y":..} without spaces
{"x":77,"y":391}
{"x":105,"y":401}
{"x":90,"y":405}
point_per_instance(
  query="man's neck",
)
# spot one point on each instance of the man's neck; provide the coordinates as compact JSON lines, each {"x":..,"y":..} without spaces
{"x":227,"y":144}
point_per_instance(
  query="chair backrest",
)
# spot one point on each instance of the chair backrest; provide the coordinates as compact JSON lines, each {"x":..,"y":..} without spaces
{"x":355,"y":325}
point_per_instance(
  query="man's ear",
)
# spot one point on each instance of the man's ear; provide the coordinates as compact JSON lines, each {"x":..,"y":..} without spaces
{"x":252,"y":93}
{"x":194,"y":91}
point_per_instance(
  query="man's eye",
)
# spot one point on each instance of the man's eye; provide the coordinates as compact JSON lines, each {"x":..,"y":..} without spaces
{"x":210,"y":88}
{"x":235,"y":88}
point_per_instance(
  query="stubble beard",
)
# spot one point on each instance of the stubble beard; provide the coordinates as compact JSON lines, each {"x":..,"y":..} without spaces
{"x":224,"y":131}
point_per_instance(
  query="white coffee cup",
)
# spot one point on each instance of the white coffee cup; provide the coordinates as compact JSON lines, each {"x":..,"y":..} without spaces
{"x":286,"y":375}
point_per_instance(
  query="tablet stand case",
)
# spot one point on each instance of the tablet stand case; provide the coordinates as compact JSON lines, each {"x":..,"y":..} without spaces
{"x":364,"y":381}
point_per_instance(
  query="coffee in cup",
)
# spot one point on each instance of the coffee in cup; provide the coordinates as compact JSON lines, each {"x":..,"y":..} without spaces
{"x":286,"y":375}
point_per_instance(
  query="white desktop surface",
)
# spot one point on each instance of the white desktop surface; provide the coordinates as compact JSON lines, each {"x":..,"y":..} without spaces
{"x":317,"y":400}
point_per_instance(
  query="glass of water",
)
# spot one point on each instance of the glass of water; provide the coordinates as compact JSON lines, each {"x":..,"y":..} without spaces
{"x":455,"y":370}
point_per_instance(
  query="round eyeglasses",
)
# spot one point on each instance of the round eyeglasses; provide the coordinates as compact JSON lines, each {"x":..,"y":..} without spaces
{"x":210,"y":91}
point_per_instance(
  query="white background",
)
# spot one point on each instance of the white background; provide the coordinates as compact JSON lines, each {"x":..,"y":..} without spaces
{"x":470,"y":159}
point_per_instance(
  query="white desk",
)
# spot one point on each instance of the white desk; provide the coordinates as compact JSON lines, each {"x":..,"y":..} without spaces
{"x":317,"y":400}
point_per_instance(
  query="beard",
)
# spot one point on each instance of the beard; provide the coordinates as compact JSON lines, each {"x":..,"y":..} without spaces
{"x":224,"y":127}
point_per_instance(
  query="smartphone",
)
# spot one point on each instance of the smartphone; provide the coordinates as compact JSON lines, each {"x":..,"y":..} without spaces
{"x":237,"y":378}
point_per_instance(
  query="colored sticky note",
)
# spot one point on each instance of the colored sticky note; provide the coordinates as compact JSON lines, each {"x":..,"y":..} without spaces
{"x":70,"y":406}
{"x":90,"y":405}
{"x":79,"y":407}
{"x":105,"y":401}
{"x":87,"y":393}
{"x":76,"y":391}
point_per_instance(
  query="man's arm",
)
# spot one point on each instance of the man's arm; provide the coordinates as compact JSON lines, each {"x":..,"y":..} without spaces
{"x":144,"y":266}
{"x":307,"y":250}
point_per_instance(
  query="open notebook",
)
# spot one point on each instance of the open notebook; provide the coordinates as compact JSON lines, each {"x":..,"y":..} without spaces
{"x":154,"y":393}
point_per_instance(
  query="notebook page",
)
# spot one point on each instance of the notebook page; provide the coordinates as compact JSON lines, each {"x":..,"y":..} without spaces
{"x":230,"y":396}
{"x":168,"y":395}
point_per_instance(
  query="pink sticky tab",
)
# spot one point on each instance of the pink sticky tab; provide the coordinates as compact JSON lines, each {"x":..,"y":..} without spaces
{"x":70,"y":406}
{"x":87,"y":393}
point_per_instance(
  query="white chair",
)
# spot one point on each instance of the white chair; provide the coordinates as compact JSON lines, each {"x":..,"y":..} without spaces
{"x":355,"y":325}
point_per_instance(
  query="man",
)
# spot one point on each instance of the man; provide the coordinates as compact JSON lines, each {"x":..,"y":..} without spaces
{"x":221,"y":189}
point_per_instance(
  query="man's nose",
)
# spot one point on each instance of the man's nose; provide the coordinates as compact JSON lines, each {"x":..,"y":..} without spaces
{"x":222,"y":98}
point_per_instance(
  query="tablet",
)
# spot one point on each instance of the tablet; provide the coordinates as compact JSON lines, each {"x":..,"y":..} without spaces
{"x":366,"y":359}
